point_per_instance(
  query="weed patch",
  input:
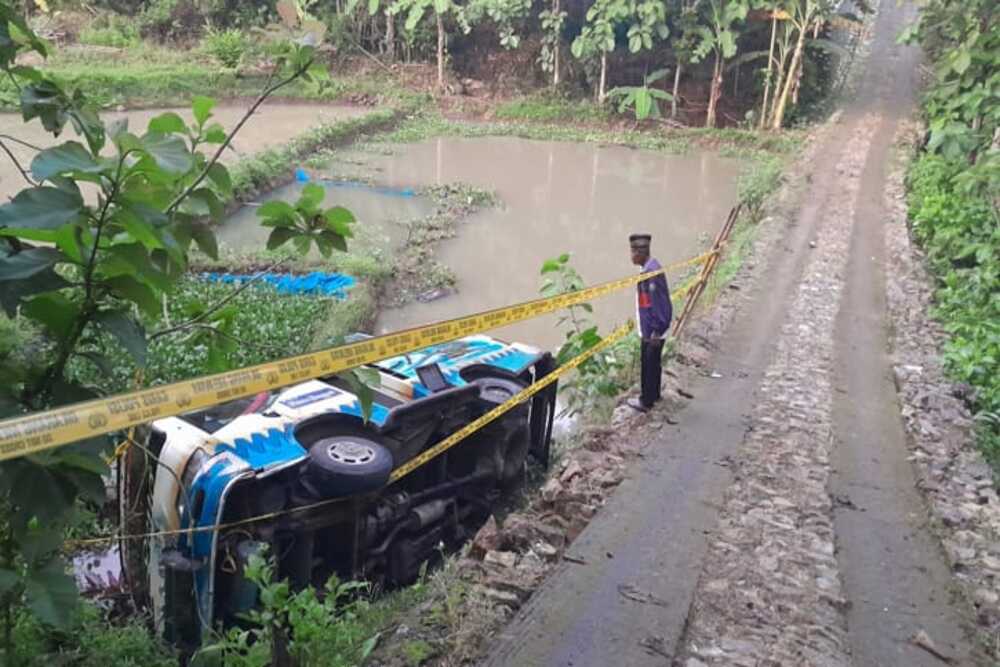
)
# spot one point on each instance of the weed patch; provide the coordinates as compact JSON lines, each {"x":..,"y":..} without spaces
{"x":961,"y":235}
{"x":549,"y":108}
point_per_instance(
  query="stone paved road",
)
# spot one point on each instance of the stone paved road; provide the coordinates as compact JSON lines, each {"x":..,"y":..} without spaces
{"x":779,"y":521}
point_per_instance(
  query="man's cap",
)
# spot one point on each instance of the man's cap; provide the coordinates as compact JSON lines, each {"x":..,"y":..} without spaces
{"x":640,"y":240}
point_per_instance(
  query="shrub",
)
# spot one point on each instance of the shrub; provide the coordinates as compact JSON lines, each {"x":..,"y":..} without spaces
{"x":171,"y":19}
{"x":756,"y":183}
{"x":89,"y":642}
{"x":961,"y":235}
{"x":111,"y":30}
{"x":229,"y":47}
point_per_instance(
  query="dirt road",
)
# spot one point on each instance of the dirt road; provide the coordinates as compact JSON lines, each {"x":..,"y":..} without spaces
{"x":779,"y":522}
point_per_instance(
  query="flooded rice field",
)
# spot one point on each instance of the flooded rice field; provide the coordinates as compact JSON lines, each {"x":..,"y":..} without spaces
{"x":272,"y":125}
{"x":557,"y":197}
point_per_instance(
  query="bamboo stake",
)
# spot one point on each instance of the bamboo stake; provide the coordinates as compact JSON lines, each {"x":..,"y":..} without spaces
{"x":707,"y":269}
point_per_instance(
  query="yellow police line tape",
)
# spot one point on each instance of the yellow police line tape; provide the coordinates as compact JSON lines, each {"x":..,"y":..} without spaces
{"x":39,"y":431}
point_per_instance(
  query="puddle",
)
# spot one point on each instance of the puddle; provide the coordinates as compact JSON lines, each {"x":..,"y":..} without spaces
{"x":378,"y":210}
{"x":272,"y":125}
{"x":558,"y":197}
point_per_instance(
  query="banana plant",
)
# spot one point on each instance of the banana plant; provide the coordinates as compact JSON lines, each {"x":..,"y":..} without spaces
{"x":642,"y":100}
{"x":718,"y":34}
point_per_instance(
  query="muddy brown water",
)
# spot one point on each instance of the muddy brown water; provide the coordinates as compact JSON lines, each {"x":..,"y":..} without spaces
{"x":381,"y":214}
{"x":272,"y":125}
{"x":558,"y":197}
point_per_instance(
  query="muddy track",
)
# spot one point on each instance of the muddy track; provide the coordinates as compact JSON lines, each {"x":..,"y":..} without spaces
{"x":779,"y":523}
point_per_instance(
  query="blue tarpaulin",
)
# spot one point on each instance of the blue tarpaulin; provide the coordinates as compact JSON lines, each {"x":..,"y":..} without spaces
{"x":317,"y":282}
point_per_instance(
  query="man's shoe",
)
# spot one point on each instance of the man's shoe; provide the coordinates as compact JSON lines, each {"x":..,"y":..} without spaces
{"x":636,"y":405}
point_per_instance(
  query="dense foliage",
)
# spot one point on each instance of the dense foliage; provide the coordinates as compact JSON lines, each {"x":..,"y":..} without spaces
{"x":954,"y":194}
{"x":90,"y":251}
{"x":773,"y":52}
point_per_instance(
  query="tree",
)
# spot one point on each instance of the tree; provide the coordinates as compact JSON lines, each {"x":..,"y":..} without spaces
{"x":803,"y":17}
{"x":684,"y":45}
{"x":597,"y":39}
{"x":416,"y":10}
{"x":552,"y":20}
{"x":647,"y":20}
{"x":718,"y":36}
{"x":505,"y":14}
{"x":80,"y":270}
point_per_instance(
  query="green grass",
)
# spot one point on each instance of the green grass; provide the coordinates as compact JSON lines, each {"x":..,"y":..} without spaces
{"x":90,"y":642}
{"x":730,"y":142}
{"x":549,"y":108}
{"x":149,"y":75}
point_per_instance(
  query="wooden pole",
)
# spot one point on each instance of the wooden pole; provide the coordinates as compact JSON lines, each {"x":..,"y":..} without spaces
{"x":707,"y":268}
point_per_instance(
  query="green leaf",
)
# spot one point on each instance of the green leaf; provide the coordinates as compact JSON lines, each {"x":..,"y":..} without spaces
{"x":87,"y":124}
{"x":68,"y":158}
{"x":128,"y":332}
{"x":15,"y":291}
{"x":369,"y":646}
{"x":201,"y":107}
{"x":310,"y":199}
{"x":219,"y":176}
{"x":653,"y":77}
{"x":643,"y":104}
{"x":961,"y":61}
{"x":41,"y":207}
{"x":205,"y":238}
{"x":37,"y":542}
{"x":51,"y":594}
{"x":727,"y":40}
{"x":415,"y":14}
{"x":278,"y":237}
{"x":373,"y":6}
{"x":167,"y":123}
{"x":203,"y":202}
{"x":214,"y":134}
{"x":28,"y":262}
{"x":442,"y":6}
{"x":138,"y":228}
{"x":47,"y":102}
{"x":301,"y":243}
{"x":339,"y":221}
{"x":361,"y":380}
{"x":100,"y":362}
{"x":550,"y":265}
{"x":54,"y":310}
{"x":276,"y":213}
{"x":334,"y":240}
{"x":8,"y":580}
{"x":130,"y":289}
{"x":169,"y":152}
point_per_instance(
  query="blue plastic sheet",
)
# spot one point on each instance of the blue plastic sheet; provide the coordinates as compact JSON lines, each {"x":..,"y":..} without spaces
{"x":317,"y":282}
{"x":377,"y":189}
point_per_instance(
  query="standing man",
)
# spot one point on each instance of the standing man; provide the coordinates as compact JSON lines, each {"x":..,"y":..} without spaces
{"x":653,"y":314}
